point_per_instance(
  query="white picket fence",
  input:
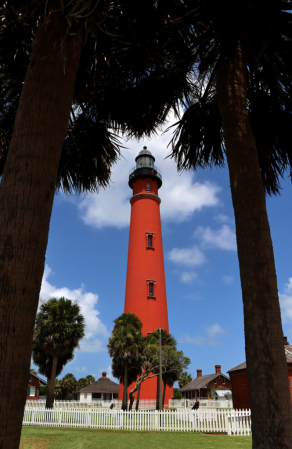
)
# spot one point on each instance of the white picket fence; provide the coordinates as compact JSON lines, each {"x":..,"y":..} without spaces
{"x":99,"y":403}
{"x":222,"y":421}
{"x":204,"y":403}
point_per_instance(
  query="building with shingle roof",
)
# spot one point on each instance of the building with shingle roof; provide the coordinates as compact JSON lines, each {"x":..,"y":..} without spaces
{"x":103,"y":389}
{"x":238,"y":378}
{"x":201,"y":387}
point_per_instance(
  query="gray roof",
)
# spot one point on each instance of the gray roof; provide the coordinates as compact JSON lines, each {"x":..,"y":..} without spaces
{"x":102,"y":385}
{"x":42,"y":381}
{"x":288,"y":353}
{"x":201,"y":382}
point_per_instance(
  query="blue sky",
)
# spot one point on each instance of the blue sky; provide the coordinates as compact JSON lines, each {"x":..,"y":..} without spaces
{"x":87,"y":259}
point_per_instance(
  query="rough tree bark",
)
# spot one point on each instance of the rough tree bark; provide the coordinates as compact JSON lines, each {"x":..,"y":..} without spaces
{"x":26,"y":197}
{"x":51,"y":384}
{"x":125,"y":392}
{"x":264,"y":344}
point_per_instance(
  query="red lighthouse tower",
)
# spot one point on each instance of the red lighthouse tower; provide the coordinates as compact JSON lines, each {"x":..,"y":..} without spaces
{"x":145,"y":285}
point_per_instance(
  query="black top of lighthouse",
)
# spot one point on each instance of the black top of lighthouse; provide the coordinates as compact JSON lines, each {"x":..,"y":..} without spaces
{"x":145,"y":168}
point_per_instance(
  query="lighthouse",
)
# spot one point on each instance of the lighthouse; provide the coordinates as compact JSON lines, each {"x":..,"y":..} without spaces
{"x":145,"y":285}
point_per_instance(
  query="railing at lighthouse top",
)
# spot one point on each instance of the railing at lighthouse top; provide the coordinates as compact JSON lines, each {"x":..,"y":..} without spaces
{"x":156,"y":171}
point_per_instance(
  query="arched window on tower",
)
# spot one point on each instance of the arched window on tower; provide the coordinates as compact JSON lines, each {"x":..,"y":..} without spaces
{"x":148,"y":186}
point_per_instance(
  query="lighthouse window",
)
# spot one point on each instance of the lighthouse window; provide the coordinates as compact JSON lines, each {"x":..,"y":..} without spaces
{"x":148,"y":186}
{"x":150,"y":240}
{"x":151,"y":289}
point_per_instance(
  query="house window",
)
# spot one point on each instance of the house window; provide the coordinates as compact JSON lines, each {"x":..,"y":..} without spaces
{"x":148,"y":186}
{"x":223,"y":380}
{"x":85,"y":395}
{"x":151,"y":289}
{"x":215,"y":381}
{"x":30,"y":378}
{"x":32,"y":391}
{"x":150,"y":237}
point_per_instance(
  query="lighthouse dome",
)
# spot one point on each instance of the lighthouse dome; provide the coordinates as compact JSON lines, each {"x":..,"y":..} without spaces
{"x":145,"y":158}
{"x":145,"y":151}
{"x":145,"y":168}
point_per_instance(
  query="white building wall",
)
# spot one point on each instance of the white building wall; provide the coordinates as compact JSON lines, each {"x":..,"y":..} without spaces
{"x":85,"y":397}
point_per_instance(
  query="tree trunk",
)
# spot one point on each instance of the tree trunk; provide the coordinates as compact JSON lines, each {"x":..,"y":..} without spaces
{"x":26,"y":196}
{"x":131,"y":395}
{"x":51,"y":384}
{"x":125,"y":392}
{"x":163,"y":396}
{"x":138,"y":397}
{"x":264,"y":343}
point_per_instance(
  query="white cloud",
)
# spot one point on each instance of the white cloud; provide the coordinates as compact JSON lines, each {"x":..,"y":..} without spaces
{"x":83,"y":369}
{"x":187,"y":277}
{"x":187,"y":256}
{"x":95,"y":332}
{"x":214,"y":330}
{"x":221,"y":218}
{"x":223,"y":238}
{"x":212,"y":338}
{"x":181,"y":194}
{"x":227,"y":279}
{"x":286,"y":301}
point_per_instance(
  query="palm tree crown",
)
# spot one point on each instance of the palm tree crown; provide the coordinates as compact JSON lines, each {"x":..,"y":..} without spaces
{"x":59,"y":326}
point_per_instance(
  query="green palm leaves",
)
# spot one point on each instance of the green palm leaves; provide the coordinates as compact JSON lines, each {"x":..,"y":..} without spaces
{"x":59,"y":326}
{"x":184,"y":379}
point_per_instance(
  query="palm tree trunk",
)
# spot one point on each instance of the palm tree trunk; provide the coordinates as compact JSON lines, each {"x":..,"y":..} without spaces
{"x":125,"y":392}
{"x":51,"y":384}
{"x":264,"y":344}
{"x":138,"y":397}
{"x":26,"y":196}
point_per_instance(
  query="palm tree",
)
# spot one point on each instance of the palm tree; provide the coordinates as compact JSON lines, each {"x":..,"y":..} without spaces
{"x":244,"y":74}
{"x":58,"y":330}
{"x":46,"y":93}
{"x":125,"y":346}
{"x":184,"y":379}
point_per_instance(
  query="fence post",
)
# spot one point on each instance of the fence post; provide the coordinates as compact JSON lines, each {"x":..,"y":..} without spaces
{"x":156,"y":419}
{"x":60,"y":417}
{"x":89,"y":417}
{"x":33,"y":416}
{"x":228,"y":420}
{"x":195,"y":420}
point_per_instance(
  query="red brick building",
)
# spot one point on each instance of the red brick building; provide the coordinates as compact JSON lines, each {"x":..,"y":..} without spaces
{"x":202,"y":386}
{"x":238,"y":377}
{"x":33,"y":389}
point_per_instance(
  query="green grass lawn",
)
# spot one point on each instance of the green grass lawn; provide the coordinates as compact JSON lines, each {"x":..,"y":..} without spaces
{"x":74,"y":438}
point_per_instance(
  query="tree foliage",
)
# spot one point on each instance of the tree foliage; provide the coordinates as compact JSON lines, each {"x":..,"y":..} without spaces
{"x":184,"y":379}
{"x":266,"y":28}
{"x":59,"y":326}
